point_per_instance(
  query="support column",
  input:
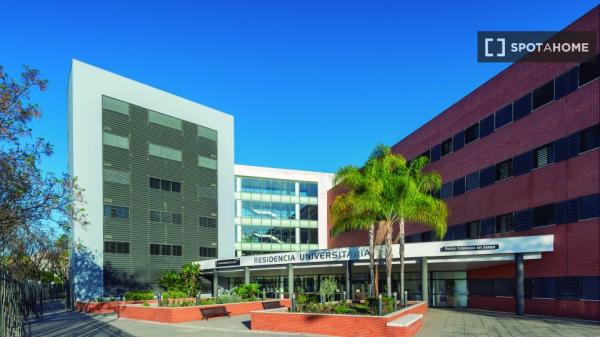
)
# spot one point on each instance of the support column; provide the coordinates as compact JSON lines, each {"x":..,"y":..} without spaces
{"x":290,"y":280}
{"x":215,"y":283}
{"x":520,"y":284}
{"x":246,"y":275}
{"x":424,"y":280}
{"x":348,"y":280}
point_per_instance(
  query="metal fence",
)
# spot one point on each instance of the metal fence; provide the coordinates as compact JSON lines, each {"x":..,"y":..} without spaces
{"x":18,"y":301}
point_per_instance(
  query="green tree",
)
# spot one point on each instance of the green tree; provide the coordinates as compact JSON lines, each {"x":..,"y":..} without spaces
{"x":190,"y":276}
{"x":170,"y":280}
{"x":328,"y":288}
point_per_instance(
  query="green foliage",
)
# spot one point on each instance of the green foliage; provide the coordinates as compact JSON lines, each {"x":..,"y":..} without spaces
{"x":174,"y":294}
{"x":207,"y":301}
{"x":305,"y":299}
{"x":187,"y":280}
{"x":171,"y":281}
{"x":146,"y":304}
{"x":139,"y":295}
{"x":224,"y":299}
{"x":247,"y":291}
{"x":328,"y":287}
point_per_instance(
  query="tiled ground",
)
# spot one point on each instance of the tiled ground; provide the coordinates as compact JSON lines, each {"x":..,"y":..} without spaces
{"x":451,"y":323}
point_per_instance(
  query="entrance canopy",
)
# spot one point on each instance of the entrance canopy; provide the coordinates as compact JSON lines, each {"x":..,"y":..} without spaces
{"x":456,"y":251}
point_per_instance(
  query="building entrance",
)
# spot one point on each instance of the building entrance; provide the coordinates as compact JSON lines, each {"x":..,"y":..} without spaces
{"x":448,"y":289}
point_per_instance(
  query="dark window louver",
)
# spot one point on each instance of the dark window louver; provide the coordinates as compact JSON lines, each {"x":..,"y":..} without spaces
{"x":543,"y":95}
{"x":504,"y":223}
{"x":446,"y":191}
{"x":522,"y":107}
{"x":473,"y":229}
{"x":589,"y":138}
{"x":458,"y":141}
{"x":459,"y":232}
{"x":566,"y":83}
{"x":446,"y":147}
{"x":487,"y":176}
{"x":458,"y":187}
{"x":567,"y":211}
{"x":573,"y":144}
{"x":544,"y":215}
{"x":522,"y":163}
{"x":472,"y":181}
{"x":488,"y":227}
{"x":504,"y":116}
{"x":207,"y":222}
{"x":486,"y":126}
{"x":543,"y":155}
{"x":561,"y":150}
{"x":472,"y":133}
{"x":435,"y":153}
{"x":589,"y":70}
{"x":523,"y":220}
{"x":504,"y":169}
{"x":589,"y":207}
{"x":568,"y":288}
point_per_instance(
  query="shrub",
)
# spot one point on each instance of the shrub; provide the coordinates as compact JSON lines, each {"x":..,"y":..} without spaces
{"x":207,"y":301}
{"x":387,"y":304}
{"x":247,"y":291}
{"x":138,"y":295}
{"x":174,"y":294}
{"x":146,"y":304}
{"x":328,"y":288}
{"x":223,"y":299}
{"x":170,"y":281}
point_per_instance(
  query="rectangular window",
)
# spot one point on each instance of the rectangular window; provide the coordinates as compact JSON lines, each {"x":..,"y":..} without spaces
{"x":164,"y":152}
{"x":165,"y":217}
{"x":207,"y":162}
{"x":473,"y":230}
{"x":164,"y":120}
{"x":589,"y":70}
{"x":207,"y":133}
{"x":154,"y":183}
{"x":177,"y":250}
{"x":116,"y":141}
{"x":472,"y":181}
{"x":115,"y":105}
{"x":446,"y":191}
{"x":488,"y":226}
{"x":504,"y":169}
{"x":308,"y":189}
{"x":543,"y":95}
{"x":208,"y":252}
{"x":116,"y":212}
{"x":446,"y":147}
{"x":522,"y":107}
{"x":436,"y":152}
{"x":165,"y":185}
{"x":487,"y":176}
{"x":116,"y":247}
{"x":486,"y":126}
{"x":505,"y":287}
{"x":543,"y":215}
{"x":309,"y":212}
{"x":590,"y":288}
{"x":155,"y":216}
{"x":543,"y":156}
{"x":458,"y":141}
{"x":523,"y":220}
{"x":472,"y":133}
{"x":165,"y":249}
{"x":543,"y":287}
{"x":458,"y":186}
{"x":207,"y":222}
{"x":589,"y":138}
{"x":522,"y":163}
{"x":504,"y":223}
{"x":566,"y":83}
{"x":115,"y":176}
{"x":154,"y":249}
{"x":175,"y":187}
{"x":503,"y":116}
{"x":481,"y":287}
{"x":589,"y":206}
{"x":567,"y":288}
{"x":176,"y":218}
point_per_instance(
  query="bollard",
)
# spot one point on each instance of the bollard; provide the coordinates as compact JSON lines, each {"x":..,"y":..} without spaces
{"x":293,"y":302}
{"x":379,"y":306}
{"x":405,"y":297}
{"x":159,"y":299}
{"x":344,"y":298}
{"x":395,"y":300}
{"x":198,"y":299}
{"x":264,"y":294}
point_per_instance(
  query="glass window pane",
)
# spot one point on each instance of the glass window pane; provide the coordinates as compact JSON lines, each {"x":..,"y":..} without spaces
{"x":206,"y":162}
{"x":155,"y":216}
{"x":176,"y":187}
{"x":165,"y":185}
{"x":164,"y":152}
{"x":207,"y":133}
{"x":116,"y":141}
{"x":176,"y":218}
{"x":164,"y":120}
{"x":115,"y":176}
{"x":115,"y":105}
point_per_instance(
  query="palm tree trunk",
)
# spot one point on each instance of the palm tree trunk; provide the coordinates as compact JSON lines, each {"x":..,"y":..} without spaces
{"x":371,"y":259}
{"x":402,"y":261}
{"x":389,"y":259}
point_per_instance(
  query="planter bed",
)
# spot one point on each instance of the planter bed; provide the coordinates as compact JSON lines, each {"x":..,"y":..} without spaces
{"x":392,"y":324}
{"x":109,"y":307}
{"x":186,"y":314}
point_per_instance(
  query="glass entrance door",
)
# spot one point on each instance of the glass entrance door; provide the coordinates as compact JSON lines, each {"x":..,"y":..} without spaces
{"x":448,"y":289}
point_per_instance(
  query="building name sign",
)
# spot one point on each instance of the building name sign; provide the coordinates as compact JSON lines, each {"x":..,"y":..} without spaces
{"x":332,"y":255}
{"x":228,"y":263}
{"x":469,"y":248}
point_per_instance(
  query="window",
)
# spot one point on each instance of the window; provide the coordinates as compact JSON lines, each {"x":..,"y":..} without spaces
{"x":207,"y":133}
{"x":543,"y":156}
{"x":308,"y":236}
{"x":504,"y":287}
{"x":481,"y":287}
{"x":115,"y":176}
{"x":589,"y":138}
{"x":488,"y":226}
{"x":165,"y":185}
{"x":472,"y":133}
{"x":206,"y":162}
{"x":543,"y":95}
{"x":504,"y":223}
{"x":165,"y":217}
{"x":176,"y":218}
{"x":487,"y":176}
{"x":472,"y":181}
{"x":446,"y":191}
{"x":208,"y":252}
{"x":436,"y":153}
{"x":503,"y":116}
{"x":154,"y":249}
{"x":446,"y":147}
{"x":308,"y":189}
{"x":116,"y":247}
{"x":268,"y":186}
{"x":115,"y":105}
{"x":207,"y":222}
{"x":164,"y":120}
{"x":589,"y":70}
{"x":165,"y":249}
{"x":309,"y":212}
{"x":567,"y":288}
{"x":116,"y":141}
{"x":116,"y":212}
{"x":458,"y":141}
{"x":267,"y":210}
{"x":543,"y":287}
{"x":155,"y":216}
{"x":522,"y":163}
{"x":164,"y":152}
{"x":590,"y":288}
{"x":458,"y":186}
{"x":177,"y":250}
{"x":504,"y":169}
{"x":522,"y":107}
{"x":543,"y":215}
{"x":589,"y":206}
{"x":486,"y":126}
{"x":566,"y":83}
{"x":523,"y":220}
{"x":566,"y":211}
{"x":473,"y":230}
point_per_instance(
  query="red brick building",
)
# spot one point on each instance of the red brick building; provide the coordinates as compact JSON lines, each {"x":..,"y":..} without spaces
{"x":520,"y":156}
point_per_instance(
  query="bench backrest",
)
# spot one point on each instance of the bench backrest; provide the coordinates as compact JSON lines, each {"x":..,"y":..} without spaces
{"x":214,"y":311}
{"x":271,"y":305}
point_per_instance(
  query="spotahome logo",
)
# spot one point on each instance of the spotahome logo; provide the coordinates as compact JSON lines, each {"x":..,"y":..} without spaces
{"x":536,"y":46}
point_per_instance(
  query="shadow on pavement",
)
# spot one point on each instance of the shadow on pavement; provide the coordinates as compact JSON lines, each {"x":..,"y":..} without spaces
{"x":75,"y":324}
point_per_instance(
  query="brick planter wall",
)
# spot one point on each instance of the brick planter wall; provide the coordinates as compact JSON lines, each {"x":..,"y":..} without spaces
{"x":104,"y":307}
{"x":186,"y":314}
{"x":337,"y":325}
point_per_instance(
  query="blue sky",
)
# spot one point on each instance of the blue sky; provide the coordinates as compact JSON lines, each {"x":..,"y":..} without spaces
{"x":312,"y":85}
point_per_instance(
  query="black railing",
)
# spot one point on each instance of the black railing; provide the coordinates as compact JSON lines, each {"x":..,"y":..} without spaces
{"x":18,"y":301}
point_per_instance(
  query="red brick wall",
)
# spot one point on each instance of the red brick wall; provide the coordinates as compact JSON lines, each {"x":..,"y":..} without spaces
{"x":186,"y":314}
{"x":578,"y":309}
{"x":335,"y":325}
{"x":104,"y":307}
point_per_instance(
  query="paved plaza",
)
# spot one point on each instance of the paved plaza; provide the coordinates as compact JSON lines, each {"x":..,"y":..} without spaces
{"x":438,"y":323}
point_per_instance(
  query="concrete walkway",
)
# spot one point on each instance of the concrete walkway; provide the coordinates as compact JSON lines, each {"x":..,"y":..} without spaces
{"x":454,"y":323}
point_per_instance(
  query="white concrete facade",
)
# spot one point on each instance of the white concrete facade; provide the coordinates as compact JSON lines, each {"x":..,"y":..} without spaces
{"x":86,"y":86}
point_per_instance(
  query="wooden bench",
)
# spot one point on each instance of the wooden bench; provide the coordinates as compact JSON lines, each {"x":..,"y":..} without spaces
{"x":214,"y":312}
{"x":405,"y":321}
{"x":272,"y":305}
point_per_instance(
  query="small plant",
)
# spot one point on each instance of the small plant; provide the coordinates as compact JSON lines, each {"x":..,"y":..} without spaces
{"x":207,"y":301}
{"x":328,"y":288}
{"x":146,"y":304}
{"x":223,"y":299}
{"x":174,"y":294}
{"x":248,"y":292}
{"x":139,"y":295}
